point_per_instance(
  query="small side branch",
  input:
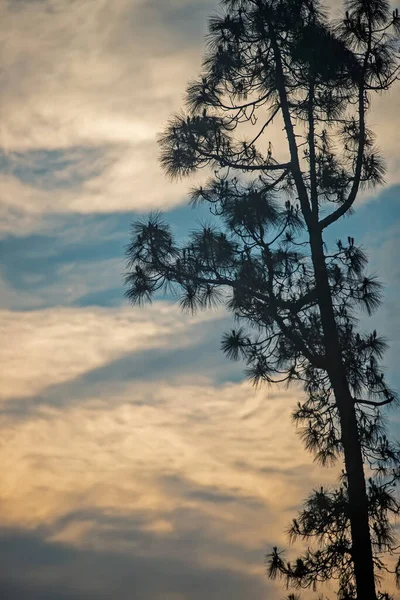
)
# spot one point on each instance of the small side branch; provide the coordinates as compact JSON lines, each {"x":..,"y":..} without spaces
{"x":372,"y":403}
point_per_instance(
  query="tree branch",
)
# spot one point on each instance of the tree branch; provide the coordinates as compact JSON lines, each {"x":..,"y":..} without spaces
{"x":311,"y":149}
{"x":225,"y":162}
{"x":372,"y":403}
{"x":295,"y":163}
{"x":347,"y":204}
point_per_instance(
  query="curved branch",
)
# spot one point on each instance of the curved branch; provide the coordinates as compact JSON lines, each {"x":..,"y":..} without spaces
{"x":372,"y":403}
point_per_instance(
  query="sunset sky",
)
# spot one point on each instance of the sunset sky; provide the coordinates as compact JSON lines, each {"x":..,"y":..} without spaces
{"x":137,"y":463}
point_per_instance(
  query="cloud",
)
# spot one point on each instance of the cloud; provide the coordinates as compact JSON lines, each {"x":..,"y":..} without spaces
{"x":52,"y":346}
{"x":86,"y":87}
{"x":173,"y":466}
{"x":56,"y":570}
{"x":217,"y":468}
{"x":192,"y":482}
{"x":143,"y":442}
{"x":83,"y":85}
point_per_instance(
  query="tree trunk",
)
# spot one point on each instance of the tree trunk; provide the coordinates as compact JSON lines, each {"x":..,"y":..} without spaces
{"x":358,"y":502}
{"x":360,"y":532}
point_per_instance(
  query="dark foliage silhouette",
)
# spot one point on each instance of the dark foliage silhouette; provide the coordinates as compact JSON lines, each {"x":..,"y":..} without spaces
{"x":295,"y":300}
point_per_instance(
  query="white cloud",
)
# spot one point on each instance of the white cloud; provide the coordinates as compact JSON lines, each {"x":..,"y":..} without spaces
{"x":82,"y":74}
{"x":53,"y":346}
{"x":106,"y":76}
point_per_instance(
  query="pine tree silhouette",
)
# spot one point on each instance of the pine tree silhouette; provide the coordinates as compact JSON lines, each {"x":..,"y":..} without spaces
{"x":295,"y":300}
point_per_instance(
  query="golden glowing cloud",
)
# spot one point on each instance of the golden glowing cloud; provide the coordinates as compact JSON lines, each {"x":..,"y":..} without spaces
{"x":146,"y":449}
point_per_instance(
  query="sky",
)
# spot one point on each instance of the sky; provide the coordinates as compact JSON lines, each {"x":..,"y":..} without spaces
{"x":136,"y":460}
